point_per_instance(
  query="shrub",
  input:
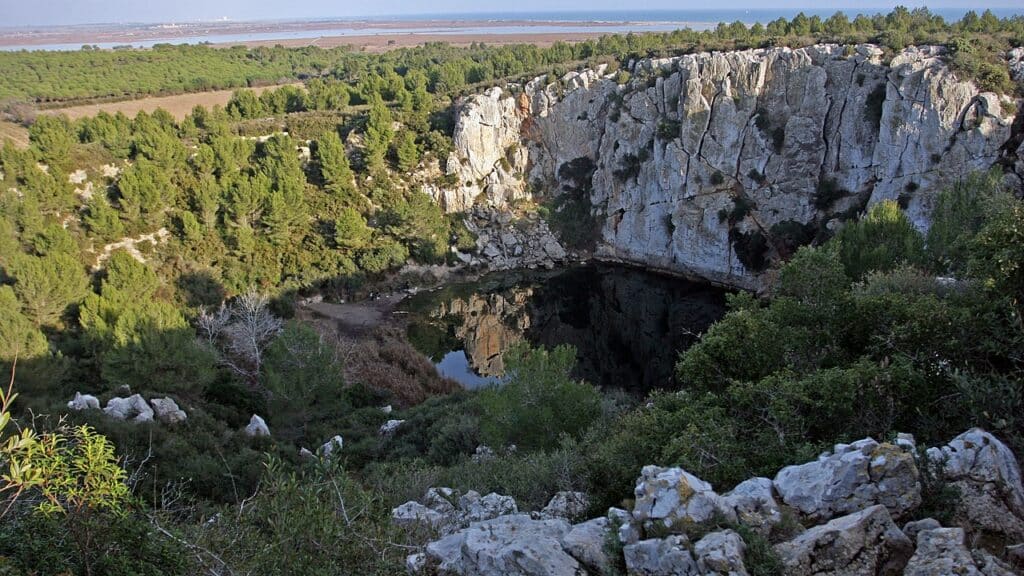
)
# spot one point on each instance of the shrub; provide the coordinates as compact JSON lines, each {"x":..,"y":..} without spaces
{"x":539,"y":402}
{"x":881,"y":241}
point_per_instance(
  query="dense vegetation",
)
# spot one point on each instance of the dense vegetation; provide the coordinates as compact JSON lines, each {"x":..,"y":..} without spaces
{"x":174,"y":270}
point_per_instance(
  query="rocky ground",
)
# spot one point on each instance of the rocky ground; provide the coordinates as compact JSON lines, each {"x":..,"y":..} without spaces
{"x":855,"y":511}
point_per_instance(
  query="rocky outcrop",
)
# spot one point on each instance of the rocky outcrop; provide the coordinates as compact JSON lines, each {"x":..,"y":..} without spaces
{"x":714,"y":164}
{"x":331,"y":447}
{"x":943,"y":551}
{"x":167,"y":411}
{"x":850,"y":478}
{"x":678,"y":524}
{"x":388,"y":428}
{"x":505,"y":241}
{"x":988,"y":478}
{"x":566,"y":504}
{"x":83,"y":402}
{"x":257,"y":427}
{"x":134,"y":409}
{"x":514,"y":544}
{"x":866,"y":542}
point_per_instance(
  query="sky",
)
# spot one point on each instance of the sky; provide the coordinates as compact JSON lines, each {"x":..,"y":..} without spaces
{"x":52,"y":12}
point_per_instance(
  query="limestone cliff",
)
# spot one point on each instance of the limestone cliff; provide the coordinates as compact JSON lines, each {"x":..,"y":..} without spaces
{"x":715,"y":164}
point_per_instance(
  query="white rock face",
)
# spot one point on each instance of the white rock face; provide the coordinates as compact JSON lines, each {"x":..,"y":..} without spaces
{"x":167,"y":410}
{"x":133,"y":408}
{"x":83,"y":402}
{"x":721,"y":553}
{"x":673,"y":152}
{"x":861,"y":544}
{"x":942,"y":551}
{"x":257,"y":427}
{"x":674,"y":497}
{"x":851,"y":478}
{"x":988,"y":477}
{"x":754,"y":504}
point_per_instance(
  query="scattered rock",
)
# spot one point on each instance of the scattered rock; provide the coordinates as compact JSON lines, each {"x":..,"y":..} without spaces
{"x":475,"y":507}
{"x":389,"y":427}
{"x":133,"y":408}
{"x":78,"y":176}
{"x":328,"y":448}
{"x":912,"y":529}
{"x":864,"y":543}
{"x":988,"y":477}
{"x":386,"y":409}
{"x":167,"y":411}
{"x":84,"y":402}
{"x":257,"y":427}
{"x":674,"y":497}
{"x":660,"y":557}
{"x":721,"y":553}
{"x":483,"y":454}
{"x":446,"y":511}
{"x":568,"y":505}
{"x":514,"y":544}
{"x":850,"y":478}
{"x":628,"y":528}
{"x":588,"y":543}
{"x":305,"y":454}
{"x":942,"y":552}
{"x":754,"y":504}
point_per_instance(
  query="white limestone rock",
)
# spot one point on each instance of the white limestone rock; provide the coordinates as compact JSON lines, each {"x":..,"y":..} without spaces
{"x":864,"y":543}
{"x":134,"y":408}
{"x":167,"y":410}
{"x":388,"y":428}
{"x":257,"y":427}
{"x":587,"y":542}
{"x":660,"y":557}
{"x":754,"y":504}
{"x":988,"y":477}
{"x":83,"y":402}
{"x":672,"y":497}
{"x":332,"y":446}
{"x":566,"y":504}
{"x":721,"y":553}
{"x":850,"y":478}
{"x":943,"y":552}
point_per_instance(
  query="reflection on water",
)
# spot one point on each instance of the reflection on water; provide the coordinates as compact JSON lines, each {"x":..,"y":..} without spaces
{"x":627,"y":325}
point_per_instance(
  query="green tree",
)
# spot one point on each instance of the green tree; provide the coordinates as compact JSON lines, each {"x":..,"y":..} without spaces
{"x":47,"y":285}
{"x":145,"y":193}
{"x":102,"y":219}
{"x":19,"y":336}
{"x":52,"y":139}
{"x":539,"y":402}
{"x":881,"y":241}
{"x":407,"y":154}
{"x":378,"y":134}
{"x":335,"y":171}
{"x":350,"y":230}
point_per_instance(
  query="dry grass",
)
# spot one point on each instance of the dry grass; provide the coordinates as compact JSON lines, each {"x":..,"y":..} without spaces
{"x":14,"y":132}
{"x":179,"y":105}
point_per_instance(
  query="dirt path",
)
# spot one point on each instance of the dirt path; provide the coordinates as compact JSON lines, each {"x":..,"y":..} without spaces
{"x":15,"y":133}
{"x":179,"y":105}
{"x":354,"y":317}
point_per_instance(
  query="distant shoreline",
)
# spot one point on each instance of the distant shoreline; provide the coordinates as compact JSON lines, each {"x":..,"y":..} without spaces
{"x":306,"y":33}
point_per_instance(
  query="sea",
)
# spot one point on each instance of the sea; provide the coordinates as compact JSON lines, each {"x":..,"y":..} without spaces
{"x":484,"y":23}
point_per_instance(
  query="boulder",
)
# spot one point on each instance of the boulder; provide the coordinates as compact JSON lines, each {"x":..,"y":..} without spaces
{"x":388,"y":428}
{"x":133,"y":408}
{"x":331,"y":446}
{"x":167,"y":411}
{"x":305,"y":454}
{"x":587,"y":542}
{"x":514,"y":544}
{"x":672,"y":497}
{"x":850,"y":478}
{"x":754,"y":504}
{"x":942,"y":551}
{"x":721,"y":553}
{"x":865,"y":543}
{"x":911,"y":529}
{"x":475,"y":507}
{"x":987,"y":475}
{"x":628,"y":529}
{"x":257,"y":427}
{"x":568,"y":505}
{"x":660,"y":557}
{"x":84,"y":402}
{"x":446,"y":511}
{"x":483,"y":454}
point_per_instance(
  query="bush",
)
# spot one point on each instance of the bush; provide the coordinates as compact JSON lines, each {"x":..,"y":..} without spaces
{"x":881,"y":241}
{"x":539,"y":402}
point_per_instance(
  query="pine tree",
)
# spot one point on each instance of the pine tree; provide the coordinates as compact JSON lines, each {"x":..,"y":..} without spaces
{"x":378,"y":134}
{"x":335,"y":170}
